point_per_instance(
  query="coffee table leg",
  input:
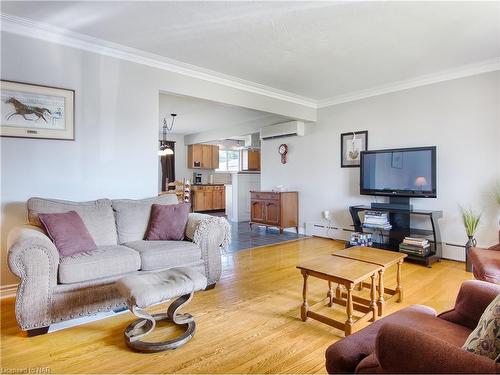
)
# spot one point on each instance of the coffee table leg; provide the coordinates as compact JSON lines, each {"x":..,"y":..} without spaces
{"x":330,"y":294}
{"x":349,"y":309}
{"x":381,"y":289}
{"x":338,"y":292}
{"x":399,"y":287}
{"x":305,"y":306}
{"x":373,"y":298}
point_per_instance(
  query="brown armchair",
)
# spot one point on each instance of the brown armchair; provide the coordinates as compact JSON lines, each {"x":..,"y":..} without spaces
{"x":416,"y":340}
{"x":486,"y":263}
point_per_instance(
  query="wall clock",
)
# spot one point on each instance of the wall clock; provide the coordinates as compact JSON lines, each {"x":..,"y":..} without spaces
{"x":283,"y":150}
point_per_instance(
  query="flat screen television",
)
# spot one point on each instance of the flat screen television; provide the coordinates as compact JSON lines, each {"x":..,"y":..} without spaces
{"x":403,"y":172}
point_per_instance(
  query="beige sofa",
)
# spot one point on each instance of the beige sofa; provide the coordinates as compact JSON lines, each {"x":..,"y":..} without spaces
{"x":54,"y":289}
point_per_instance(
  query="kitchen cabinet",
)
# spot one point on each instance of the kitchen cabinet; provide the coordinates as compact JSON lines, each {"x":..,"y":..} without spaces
{"x":208,"y":197}
{"x":201,"y":156}
{"x":250,"y":160}
{"x":275,"y":209}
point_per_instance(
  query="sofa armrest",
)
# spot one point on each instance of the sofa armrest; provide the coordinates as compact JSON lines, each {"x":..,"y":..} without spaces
{"x":210,"y":233}
{"x":34,"y":259}
{"x":472,"y":299}
{"x":401,"y":349}
{"x":495,"y":247}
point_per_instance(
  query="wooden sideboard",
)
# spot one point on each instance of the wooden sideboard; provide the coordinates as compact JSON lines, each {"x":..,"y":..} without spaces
{"x":275,"y":209}
{"x":202,"y":156}
{"x":208,"y":197}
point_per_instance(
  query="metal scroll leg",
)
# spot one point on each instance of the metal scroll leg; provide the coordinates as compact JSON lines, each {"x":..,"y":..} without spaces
{"x":143,"y":326}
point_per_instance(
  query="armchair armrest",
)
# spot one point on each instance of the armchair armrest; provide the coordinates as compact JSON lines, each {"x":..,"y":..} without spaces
{"x":472,"y":299}
{"x":210,"y":233}
{"x":34,"y":259}
{"x":402,"y":350}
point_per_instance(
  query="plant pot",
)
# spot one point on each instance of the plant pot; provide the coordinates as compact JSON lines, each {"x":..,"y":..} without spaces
{"x":470,"y":243}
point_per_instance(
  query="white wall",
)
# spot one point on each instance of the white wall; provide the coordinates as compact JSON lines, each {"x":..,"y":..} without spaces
{"x":461,"y":117}
{"x":116,"y":116}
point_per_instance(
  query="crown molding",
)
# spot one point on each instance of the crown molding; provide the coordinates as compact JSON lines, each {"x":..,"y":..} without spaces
{"x":33,"y":29}
{"x":46,"y":32}
{"x":445,"y":75}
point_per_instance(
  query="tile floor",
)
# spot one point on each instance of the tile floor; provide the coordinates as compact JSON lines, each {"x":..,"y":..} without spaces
{"x":244,"y":238}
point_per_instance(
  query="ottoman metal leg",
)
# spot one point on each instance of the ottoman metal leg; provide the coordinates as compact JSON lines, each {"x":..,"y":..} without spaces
{"x":146,"y":324}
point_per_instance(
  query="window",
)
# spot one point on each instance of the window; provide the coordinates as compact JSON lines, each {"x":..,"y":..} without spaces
{"x":229,"y":161}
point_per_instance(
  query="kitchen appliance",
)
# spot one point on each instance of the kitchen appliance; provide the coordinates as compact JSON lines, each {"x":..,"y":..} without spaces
{"x":197,"y":178}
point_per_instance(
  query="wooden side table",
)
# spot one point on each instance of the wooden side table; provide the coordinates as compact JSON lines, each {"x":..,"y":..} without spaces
{"x":347,"y":272}
{"x":381,"y":258}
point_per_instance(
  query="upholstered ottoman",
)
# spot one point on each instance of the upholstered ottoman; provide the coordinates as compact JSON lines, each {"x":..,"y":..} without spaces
{"x":147,"y":289}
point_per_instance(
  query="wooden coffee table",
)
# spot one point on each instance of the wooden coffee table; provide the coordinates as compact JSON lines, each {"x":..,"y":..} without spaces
{"x":347,"y":272}
{"x":383,"y":258}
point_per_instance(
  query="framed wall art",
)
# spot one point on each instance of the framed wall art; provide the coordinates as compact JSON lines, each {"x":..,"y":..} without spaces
{"x":351,"y":145}
{"x":35,"y":111}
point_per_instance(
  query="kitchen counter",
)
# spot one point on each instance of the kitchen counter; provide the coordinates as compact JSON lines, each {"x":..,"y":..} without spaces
{"x":208,"y":184}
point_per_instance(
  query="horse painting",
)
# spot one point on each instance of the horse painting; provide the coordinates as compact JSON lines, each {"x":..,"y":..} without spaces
{"x":25,"y":110}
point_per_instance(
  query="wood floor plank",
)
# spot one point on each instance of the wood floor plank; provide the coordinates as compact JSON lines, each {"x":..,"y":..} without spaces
{"x":250,"y":323}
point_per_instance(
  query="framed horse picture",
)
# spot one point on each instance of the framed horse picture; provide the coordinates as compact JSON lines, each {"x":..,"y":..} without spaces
{"x":35,"y":111}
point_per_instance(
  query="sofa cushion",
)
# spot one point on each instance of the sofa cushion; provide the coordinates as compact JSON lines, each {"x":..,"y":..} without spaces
{"x":68,"y":232}
{"x":168,"y":222}
{"x":166,"y":254}
{"x":344,"y":355}
{"x":104,"y":262}
{"x":485,"y":339}
{"x":96,"y":215}
{"x":149,"y":288}
{"x":132,"y":216}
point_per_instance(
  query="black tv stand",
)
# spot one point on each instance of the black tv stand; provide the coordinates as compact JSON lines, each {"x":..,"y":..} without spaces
{"x":401,"y":227}
{"x":395,"y":203}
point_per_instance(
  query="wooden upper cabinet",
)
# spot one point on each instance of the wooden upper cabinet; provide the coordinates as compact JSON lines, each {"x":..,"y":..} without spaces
{"x":215,"y":157}
{"x":250,"y":160}
{"x":195,"y":156}
{"x":206,"y":162}
{"x":201,"y":156}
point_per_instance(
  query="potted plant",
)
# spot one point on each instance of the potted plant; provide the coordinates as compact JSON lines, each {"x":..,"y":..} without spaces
{"x":471,"y":221}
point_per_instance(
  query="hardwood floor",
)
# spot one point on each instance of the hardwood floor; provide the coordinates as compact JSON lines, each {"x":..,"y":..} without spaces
{"x":250,"y":323}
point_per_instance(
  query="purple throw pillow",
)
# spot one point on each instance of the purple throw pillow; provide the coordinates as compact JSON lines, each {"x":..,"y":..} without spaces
{"x":68,"y":232}
{"x":168,"y":222}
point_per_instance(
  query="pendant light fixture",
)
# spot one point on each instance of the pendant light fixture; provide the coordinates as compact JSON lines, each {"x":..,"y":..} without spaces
{"x":165,"y":149}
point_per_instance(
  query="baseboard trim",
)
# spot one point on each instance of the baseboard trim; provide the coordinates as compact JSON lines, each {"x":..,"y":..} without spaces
{"x":8,"y":291}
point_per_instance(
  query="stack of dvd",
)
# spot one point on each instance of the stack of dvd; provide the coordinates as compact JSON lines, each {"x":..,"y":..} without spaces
{"x":361,"y":239}
{"x":377,"y":220}
{"x":415,"y":246}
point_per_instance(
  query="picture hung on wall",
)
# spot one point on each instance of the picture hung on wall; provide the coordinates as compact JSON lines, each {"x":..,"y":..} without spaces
{"x":34,"y":111}
{"x":351,"y":145}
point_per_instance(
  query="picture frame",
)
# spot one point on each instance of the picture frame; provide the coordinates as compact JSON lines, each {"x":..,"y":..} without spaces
{"x":351,"y":146}
{"x":35,"y":111}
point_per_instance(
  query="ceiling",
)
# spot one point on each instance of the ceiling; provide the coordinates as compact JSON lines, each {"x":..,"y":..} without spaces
{"x":198,"y":115}
{"x":318,"y":50}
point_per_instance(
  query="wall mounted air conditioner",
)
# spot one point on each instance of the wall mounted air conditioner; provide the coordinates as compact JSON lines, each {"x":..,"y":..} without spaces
{"x":285,"y":129}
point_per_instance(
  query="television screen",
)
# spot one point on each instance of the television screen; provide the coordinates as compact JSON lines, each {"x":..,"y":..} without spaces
{"x":409,"y":172}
